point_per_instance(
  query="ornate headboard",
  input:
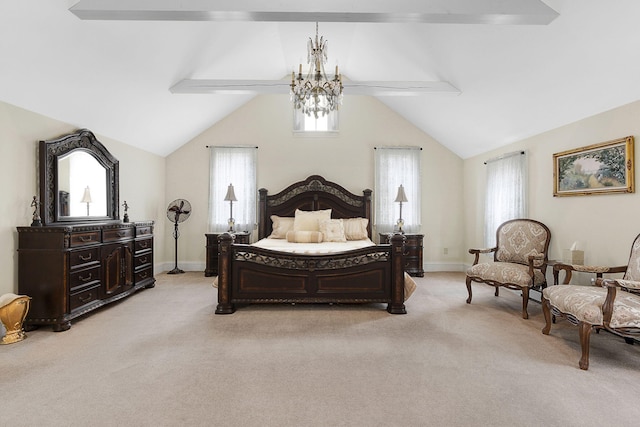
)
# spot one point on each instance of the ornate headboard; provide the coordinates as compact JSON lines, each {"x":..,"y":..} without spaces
{"x":312,"y":194}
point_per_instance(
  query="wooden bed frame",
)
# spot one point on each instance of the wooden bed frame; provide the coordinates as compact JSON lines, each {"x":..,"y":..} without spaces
{"x":248,"y":274}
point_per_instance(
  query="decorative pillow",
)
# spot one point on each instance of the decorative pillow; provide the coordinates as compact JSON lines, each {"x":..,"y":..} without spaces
{"x":304,"y":236}
{"x":332,"y":230}
{"x":356,"y":228}
{"x":280,"y":227}
{"x":310,"y":220}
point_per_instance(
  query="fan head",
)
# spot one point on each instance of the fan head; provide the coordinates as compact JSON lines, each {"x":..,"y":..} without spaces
{"x":179,"y":210}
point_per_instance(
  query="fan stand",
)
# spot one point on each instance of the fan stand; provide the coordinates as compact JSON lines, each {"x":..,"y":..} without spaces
{"x":176,"y":234}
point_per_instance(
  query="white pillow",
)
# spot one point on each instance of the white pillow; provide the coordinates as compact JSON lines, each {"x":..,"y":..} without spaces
{"x":356,"y":228}
{"x":310,"y":220}
{"x":332,"y":230}
{"x":280,"y":226}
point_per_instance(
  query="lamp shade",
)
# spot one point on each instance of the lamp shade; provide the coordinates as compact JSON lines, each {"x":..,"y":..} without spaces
{"x":231,"y":195}
{"x":86,"y":198}
{"x":401,"y":197}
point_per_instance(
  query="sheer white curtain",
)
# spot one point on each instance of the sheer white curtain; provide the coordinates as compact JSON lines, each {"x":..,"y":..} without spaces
{"x":506,"y":192}
{"x":395,"y":166}
{"x":237,"y":166}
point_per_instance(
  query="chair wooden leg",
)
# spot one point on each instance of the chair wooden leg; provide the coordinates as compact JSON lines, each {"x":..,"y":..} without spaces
{"x":585,"y":335}
{"x":546,"y":311}
{"x":525,"y":302}
{"x":469,"y":289}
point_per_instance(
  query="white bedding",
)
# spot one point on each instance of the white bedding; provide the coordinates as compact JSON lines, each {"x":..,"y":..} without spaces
{"x":324,"y":248}
{"x":312,"y":248}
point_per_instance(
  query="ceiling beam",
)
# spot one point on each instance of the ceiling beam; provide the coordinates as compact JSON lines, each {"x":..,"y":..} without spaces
{"x":512,"y":12}
{"x":372,"y":88}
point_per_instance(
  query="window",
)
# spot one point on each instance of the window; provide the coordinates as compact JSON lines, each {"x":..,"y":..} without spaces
{"x":304,"y":123}
{"x":237,"y":166}
{"x":506,"y":192}
{"x":395,"y":166}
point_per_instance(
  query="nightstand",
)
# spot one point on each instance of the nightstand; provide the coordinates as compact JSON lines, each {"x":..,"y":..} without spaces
{"x":412,"y":254}
{"x":241,"y":237}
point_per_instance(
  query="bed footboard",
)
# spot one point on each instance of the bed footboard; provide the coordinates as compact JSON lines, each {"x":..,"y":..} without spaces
{"x":248,"y":274}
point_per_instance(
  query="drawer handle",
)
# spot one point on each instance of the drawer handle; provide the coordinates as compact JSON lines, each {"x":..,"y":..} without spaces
{"x":121,"y":233}
{"x":86,"y":239}
{"x":144,"y":245}
{"x":85,"y":279}
{"x":87,"y":298}
{"x":143,"y":260}
{"x":143,"y":275}
{"x":83,"y":258}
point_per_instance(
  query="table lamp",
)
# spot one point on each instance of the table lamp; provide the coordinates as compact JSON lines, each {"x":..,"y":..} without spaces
{"x":401,"y":198}
{"x":230,"y":197}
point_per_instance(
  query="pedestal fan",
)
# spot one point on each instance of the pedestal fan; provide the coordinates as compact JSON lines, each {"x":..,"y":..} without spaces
{"x":178,"y":211}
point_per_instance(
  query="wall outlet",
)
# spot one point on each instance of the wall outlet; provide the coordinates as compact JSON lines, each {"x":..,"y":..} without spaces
{"x":445,"y":251}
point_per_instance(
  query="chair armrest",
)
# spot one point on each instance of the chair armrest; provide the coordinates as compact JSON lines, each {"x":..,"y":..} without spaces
{"x":612,"y":286}
{"x":538,"y":257}
{"x":477,"y":253}
{"x":627,"y":285}
{"x":534,"y":257}
{"x":483,"y":251}
{"x":598,"y":270}
{"x":567,"y":268}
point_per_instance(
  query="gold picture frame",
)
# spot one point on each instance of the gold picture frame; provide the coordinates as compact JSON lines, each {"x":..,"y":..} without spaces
{"x":602,"y":168}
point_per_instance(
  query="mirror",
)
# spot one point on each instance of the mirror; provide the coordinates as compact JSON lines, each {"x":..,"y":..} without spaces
{"x":82,"y":183}
{"x":78,"y":180}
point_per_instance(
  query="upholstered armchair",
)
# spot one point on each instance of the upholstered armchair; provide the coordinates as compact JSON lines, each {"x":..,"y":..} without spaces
{"x":519,"y":259}
{"x":612,"y":304}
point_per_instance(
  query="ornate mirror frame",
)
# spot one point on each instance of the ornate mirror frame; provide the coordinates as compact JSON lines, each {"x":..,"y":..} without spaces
{"x":50,"y":152}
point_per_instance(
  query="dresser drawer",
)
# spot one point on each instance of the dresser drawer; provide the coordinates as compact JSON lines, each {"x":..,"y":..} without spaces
{"x":144,"y":259}
{"x":241,"y":238}
{"x":413,"y":252}
{"x":83,"y":278}
{"x":144,"y":274}
{"x":144,"y":231}
{"x":84,"y":238}
{"x":143,"y":245}
{"x":83,"y":297}
{"x":84,"y":258}
{"x":116,"y":234}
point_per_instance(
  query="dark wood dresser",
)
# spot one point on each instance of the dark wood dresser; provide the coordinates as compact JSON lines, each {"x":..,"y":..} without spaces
{"x":212,"y":249}
{"x":70,"y":270}
{"x":413,"y":252}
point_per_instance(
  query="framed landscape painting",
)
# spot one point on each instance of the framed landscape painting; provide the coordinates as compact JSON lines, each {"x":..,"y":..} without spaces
{"x":596,"y":169}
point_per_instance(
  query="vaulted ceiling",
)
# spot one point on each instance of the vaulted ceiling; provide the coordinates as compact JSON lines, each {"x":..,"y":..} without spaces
{"x":521,"y":67}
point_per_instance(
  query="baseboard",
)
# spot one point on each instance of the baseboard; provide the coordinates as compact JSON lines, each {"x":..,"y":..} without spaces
{"x":184,"y":265}
{"x":444,"y":266}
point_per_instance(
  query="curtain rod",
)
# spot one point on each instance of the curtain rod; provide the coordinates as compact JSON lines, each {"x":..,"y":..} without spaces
{"x":399,"y":148}
{"x":230,"y":146}
{"x":504,"y":156}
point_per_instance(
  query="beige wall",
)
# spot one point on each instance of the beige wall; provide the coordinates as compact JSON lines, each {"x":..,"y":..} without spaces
{"x":142,"y":183}
{"x":283,"y":158}
{"x":603,"y":225}
{"x":452,"y":196}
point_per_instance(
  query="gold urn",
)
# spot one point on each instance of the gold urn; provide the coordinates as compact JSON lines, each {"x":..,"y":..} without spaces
{"x":13,"y":311}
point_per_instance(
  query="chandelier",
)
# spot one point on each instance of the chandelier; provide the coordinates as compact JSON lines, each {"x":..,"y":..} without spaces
{"x":315,"y":94}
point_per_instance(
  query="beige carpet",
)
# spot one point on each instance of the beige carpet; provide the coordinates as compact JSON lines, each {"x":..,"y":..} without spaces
{"x":162,"y":358}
